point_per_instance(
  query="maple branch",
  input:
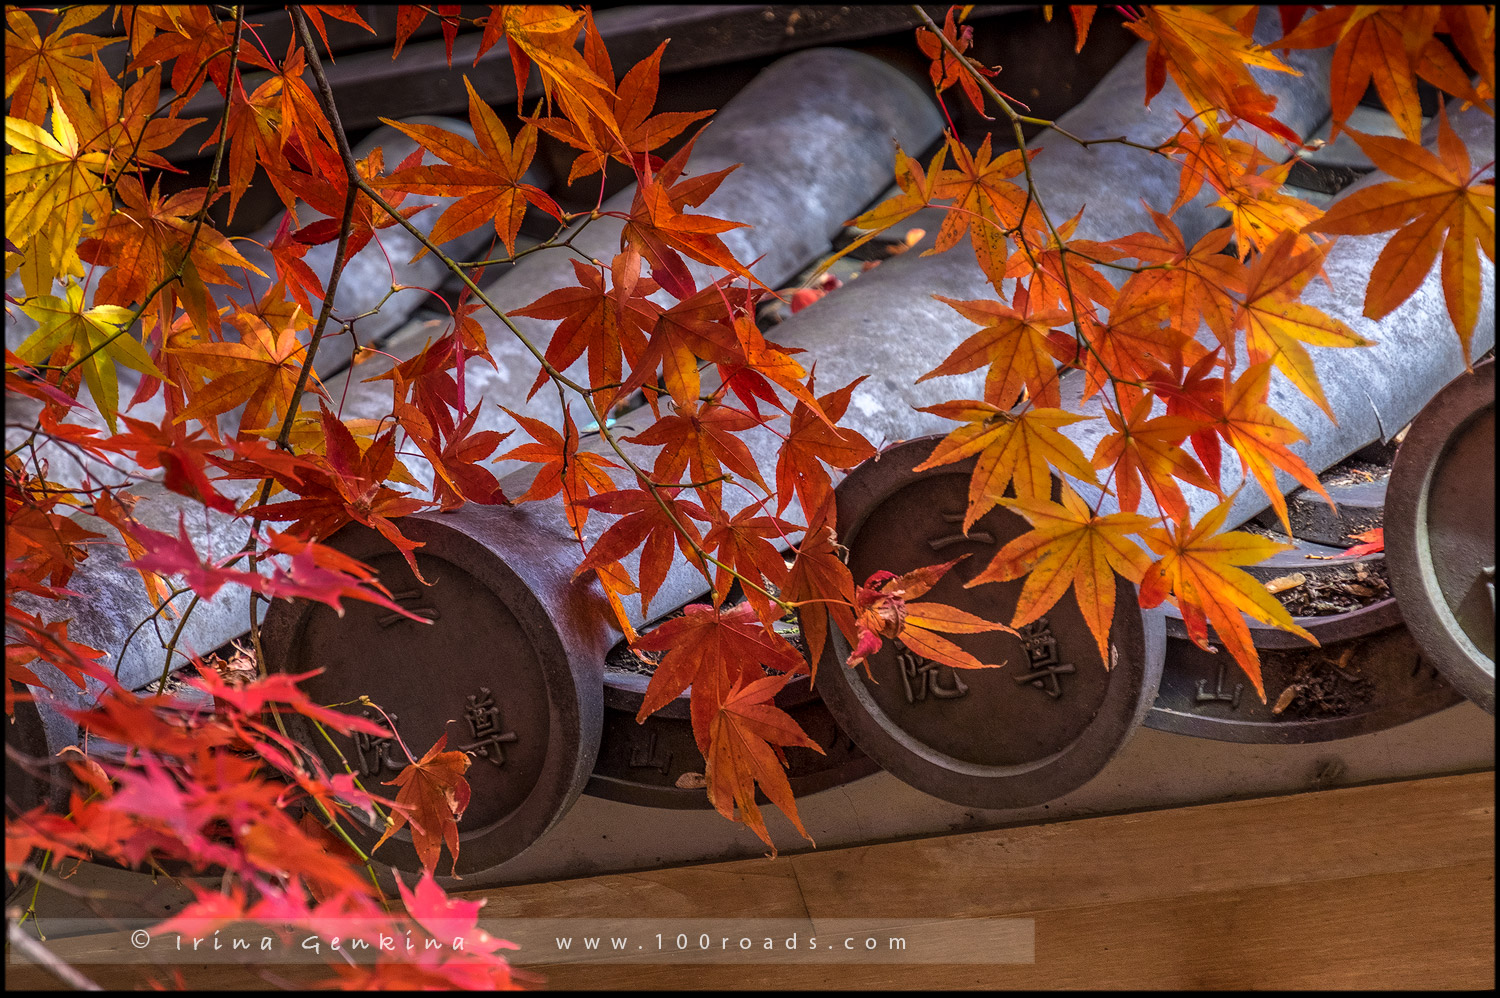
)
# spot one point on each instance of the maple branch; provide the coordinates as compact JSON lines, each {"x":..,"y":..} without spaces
{"x":325,"y":97}
{"x":200,"y":215}
{"x":161,"y":684}
{"x":1119,"y":140}
{"x":120,"y":658}
{"x":135,"y":146}
{"x":551,"y":243}
{"x":48,"y":959}
{"x":1032,"y":197}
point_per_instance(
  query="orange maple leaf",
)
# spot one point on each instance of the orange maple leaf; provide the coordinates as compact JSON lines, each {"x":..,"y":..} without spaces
{"x":700,"y":437}
{"x":713,"y":650}
{"x":1436,"y":203}
{"x":1069,"y":545}
{"x":1197,"y":285}
{"x":810,"y":443}
{"x":743,"y":545}
{"x":606,"y":323}
{"x":435,"y":795}
{"x":60,"y":61}
{"x":142,"y":243}
{"x":486,"y":179}
{"x":1019,"y":450}
{"x":1145,"y":448}
{"x":659,"y":231}
{"x":1210,"y":61}
{"x":883,"y":609}
{"x":640,"y":130}
{"x":261,"y":371}
{"x":984,"y":206}
{"x":1259,"y":434}
{"x":1375,"y":44}
{"x":1276,"y":324}
{"x":918,"y":188}
{"x":1197,"y":568}
{"x":659,"y":521}
{"x":564,"y":468}
{"x":1015,"y":343}
{"x":744,"y":749}
{"x":947,"y":69}
{"x":820,"y":583}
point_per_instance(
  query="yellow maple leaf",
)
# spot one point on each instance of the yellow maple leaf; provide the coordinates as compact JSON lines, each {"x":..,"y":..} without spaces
{"x":99,"y":337}
{"x":51,"y":183}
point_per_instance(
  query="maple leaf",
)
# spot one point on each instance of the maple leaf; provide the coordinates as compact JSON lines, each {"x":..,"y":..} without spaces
{"x":1259,"y":434}
{"x":486,"y":179}
{"x":820,"y":583}
{"x":51,"y":182}
{"x":700,"y":325}
{"x":1197,"y":568}
{"x":448,"y":918}
{"x":1069,"y":546}
{"x":116,"y":512}
{"x":883,"y":609}
{"x":812,"y":441}
{"x":39,"y":543}
{"x":698,"y":438}
{"x":544,"y":35}
{"x":143,"y":243}
{"x":984,"y":203}
{"x":300,"y":280}
{"x":760,"y":365}
{"x":455,"y":455}
{"x":349,"y":14}
{"x":1017,"y":346}
{"x":1378,"y":45}
{"x":261,"y":371}
{"x":744,"y":749}
{"x":659,"y":230}
{"x":1276,"y":324}
{"x":124,"y":123}
{"x":251,"y":697}
{"x":1373,"y":543}
{"x":409,"y":17}
{"x":60,"y":61}
{"x":658,"y":521}
{"x":608,"y":324}
{"x":1436,"y":203}
{"x":564,"y":468}
{"x":198,"y":38}
{"x":281,"y":117}
{"x":1196,"y":392}
{"x":639,"y":130}
{"x":1210,"y":61}
{"x":433,"y":788}
{"x":316,"y":571}
{"x":1055,"y":279}
{"x":947,"y":69}
{"x":918,"y":189}
{"x":743,"y":545}
{"x":1082,"y":17}
{"x":713,"y":650}
{"x":1021,"y":450}
{"x":345,"y":484}
{"x":101,"y":333}
{"x":1260,"y":210}
{"x":1197,"y":285}
{"x":28,"y":637}
{"x":326,"y":191}
{"x":1144,"y":448}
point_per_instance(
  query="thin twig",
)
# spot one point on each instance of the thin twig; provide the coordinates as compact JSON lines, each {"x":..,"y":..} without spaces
{"x":48,"y":959}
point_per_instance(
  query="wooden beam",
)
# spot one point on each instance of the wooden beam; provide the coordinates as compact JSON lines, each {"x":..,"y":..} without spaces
{"x":1386,"y":885}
